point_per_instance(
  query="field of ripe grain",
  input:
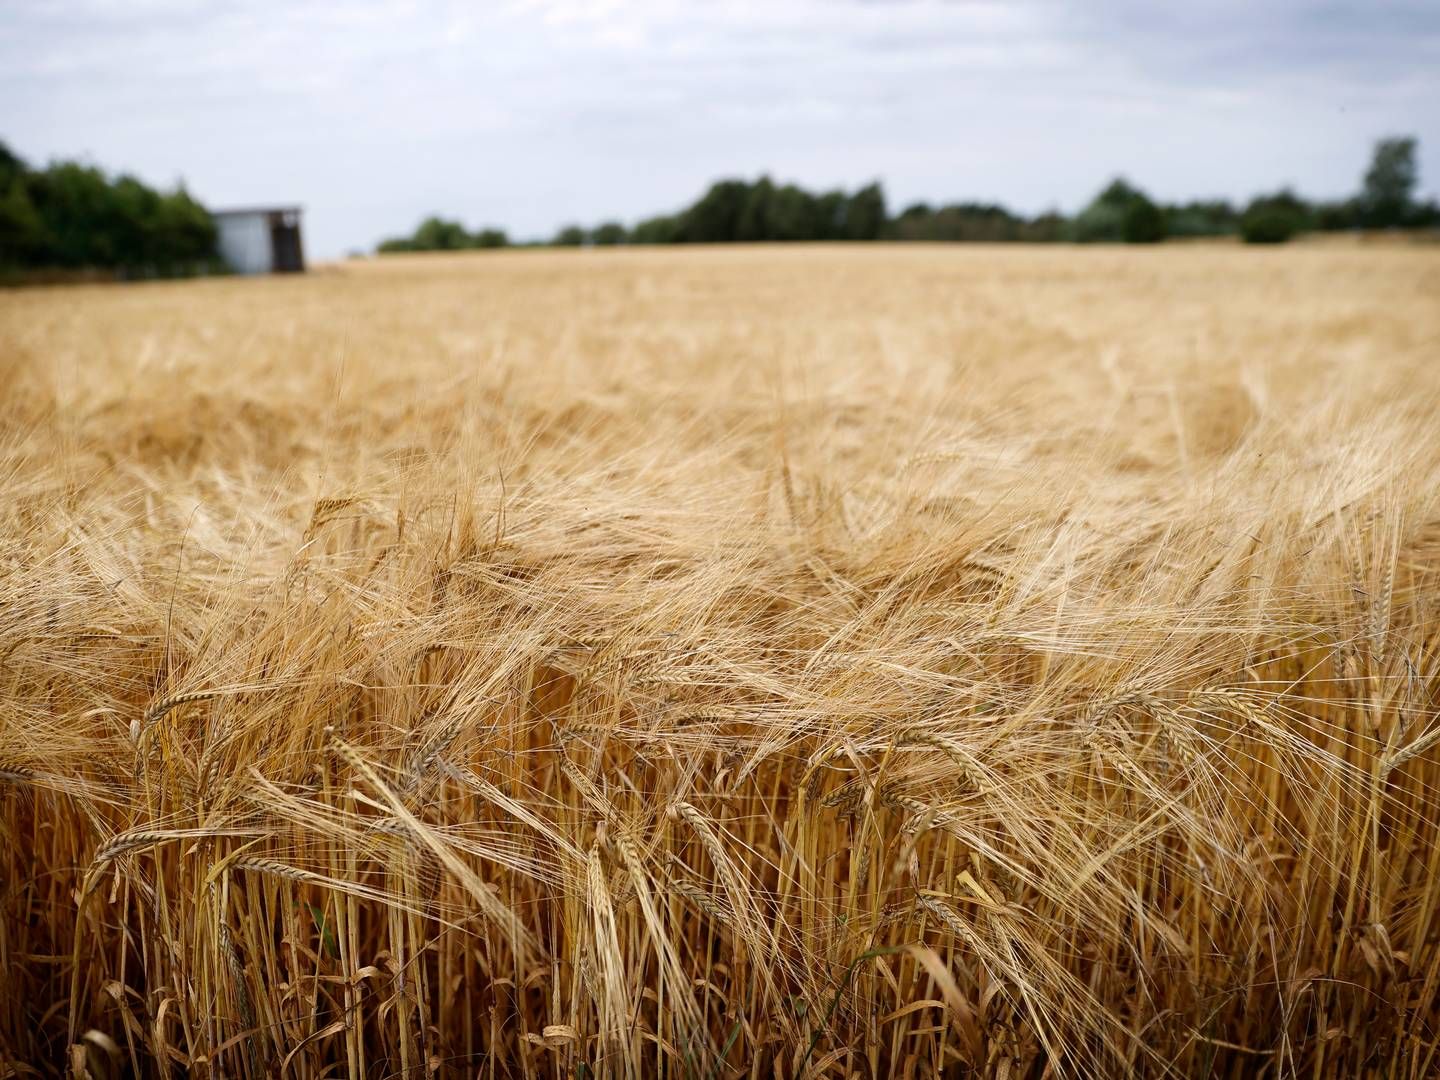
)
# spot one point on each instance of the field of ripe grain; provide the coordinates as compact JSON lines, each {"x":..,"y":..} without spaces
{"x":827,"y":662}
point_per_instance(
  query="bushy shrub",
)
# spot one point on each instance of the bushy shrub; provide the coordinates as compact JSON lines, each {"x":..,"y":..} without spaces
{"x":1201,"y":218}
{"x":75,"y":217}
{"x":1098,"y":223}
{"x":865,"y":213}
{"x":1274,"y":219}
{"x":1143,"y":223}
{"x":1047,"y":228}
{"x":960,"y":222}
{"x":22,"y":233}
{"x":1119,"y":213}
{"x":438,"y":234}
{"x":1267,"y":226}
{"x":664,"y":229}
{"x":1338,"y":216}
{"x":1387,"y":197}
{"x":609,"y":234}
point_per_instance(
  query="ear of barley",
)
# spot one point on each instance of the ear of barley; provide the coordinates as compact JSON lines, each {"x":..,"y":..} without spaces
{"x":971,"y":771}
{"x":837,"y":660}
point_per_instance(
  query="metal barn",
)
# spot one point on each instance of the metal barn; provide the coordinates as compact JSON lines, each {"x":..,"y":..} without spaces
{"x":261,"y":240}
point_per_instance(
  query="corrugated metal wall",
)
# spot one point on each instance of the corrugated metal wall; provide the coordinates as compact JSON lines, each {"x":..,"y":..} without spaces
{"x":245,"y":242}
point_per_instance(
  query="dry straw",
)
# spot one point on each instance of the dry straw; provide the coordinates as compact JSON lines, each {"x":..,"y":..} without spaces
{"x":745,"y":664}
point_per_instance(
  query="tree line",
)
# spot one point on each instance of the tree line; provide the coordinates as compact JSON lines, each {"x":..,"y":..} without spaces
{"x":762,"y":210}
{"x":73,"y":216}
{"x":70,"y":216}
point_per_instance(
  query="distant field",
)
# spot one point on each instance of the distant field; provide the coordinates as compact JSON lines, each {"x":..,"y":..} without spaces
{"x":824,"y":661}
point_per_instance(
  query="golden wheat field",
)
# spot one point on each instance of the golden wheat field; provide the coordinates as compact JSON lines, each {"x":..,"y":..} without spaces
{"x":819,"y":661}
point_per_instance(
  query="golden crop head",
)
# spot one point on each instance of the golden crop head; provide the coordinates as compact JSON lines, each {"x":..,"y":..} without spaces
{"x":802,"y":662}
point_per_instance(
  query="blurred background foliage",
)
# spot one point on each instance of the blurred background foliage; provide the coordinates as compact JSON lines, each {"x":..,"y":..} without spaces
{"x":734,"y":210}
{"x":71,"y":216}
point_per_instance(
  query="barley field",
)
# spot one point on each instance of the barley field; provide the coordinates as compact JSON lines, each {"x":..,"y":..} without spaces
{"x":749,"y":662}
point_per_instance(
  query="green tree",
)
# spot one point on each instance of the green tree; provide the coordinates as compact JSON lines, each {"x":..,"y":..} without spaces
{"x":1047,"y":228}
{"x":1387,"y":196}
{"x":958,"y":223}
{"x":23,"y":238}
{"x":1103,"y":220}
{"x":135,"y":221}
{"x":73,"y":216}
{"x":754,"y":220}
{"x":664,"y":229}
{"x":1338,"y":216}
{"x":569,"y":236}
{"x":437,"y":234}
{"x":796,"y":214}
{"x":609,"y":234}
{"x":715,"y":218}
{"x":75,"y":204}
{"x":22,"y":233}
{"x":829,"y":215}
{"x":1274,"y":219}
{"x":1120,"y":212}
{"x":1143,"y":223}
{"x":1425,"y":215}
{"x":183,"y":233}
{"x":12,"y":167}
{"x":1214,"y":217}
{"x":865,"y":213}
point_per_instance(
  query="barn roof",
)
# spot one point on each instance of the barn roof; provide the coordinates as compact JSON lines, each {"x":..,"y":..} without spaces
{"x":237,"y":211}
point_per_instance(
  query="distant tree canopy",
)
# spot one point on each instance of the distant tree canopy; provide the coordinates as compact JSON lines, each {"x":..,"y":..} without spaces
{"x":1273,"y":219}
{"x":1203,"y":217}
{"x":570,"y":236}
{"x":1120,"y":213}
{"x":71,"y":216}
{"x":731,"y":210}
{"x":612,"y":232}
{"x":437,"y":234}
{"x":1387,"y":198}
{"x":738,"y":210}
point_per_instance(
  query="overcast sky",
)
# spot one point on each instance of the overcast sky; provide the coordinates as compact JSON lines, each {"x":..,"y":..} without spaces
{"x":530,"y":114}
